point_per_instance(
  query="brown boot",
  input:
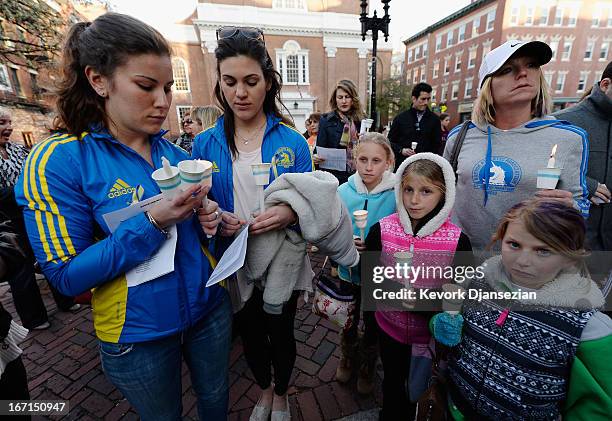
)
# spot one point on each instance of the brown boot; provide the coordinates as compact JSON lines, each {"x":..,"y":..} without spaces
{"x":368,"y":357}
{"x":348,"y":349}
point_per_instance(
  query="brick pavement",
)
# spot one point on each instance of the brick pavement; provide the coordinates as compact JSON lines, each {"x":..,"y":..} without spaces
{"x":62,"y":363}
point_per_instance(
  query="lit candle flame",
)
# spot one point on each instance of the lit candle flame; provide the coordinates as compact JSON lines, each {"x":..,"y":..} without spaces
{"x":554,"y":151}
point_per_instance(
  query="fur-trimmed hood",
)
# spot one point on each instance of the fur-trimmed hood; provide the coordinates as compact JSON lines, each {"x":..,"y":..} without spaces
{"x":449,"y":179}
{"x":568,"y":290}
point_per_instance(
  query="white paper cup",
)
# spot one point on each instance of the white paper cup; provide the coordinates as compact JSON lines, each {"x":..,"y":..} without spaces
{"x":361,"y":218}
{"x":168,"y":184}
{"x":261,"y":173}
{"x":414,"y":145}
{"x":548,"y":178}
{"x":452,"y":305}
{"x":366,"y":123}
{"x":191,"y":172}
{"x":207,"y":174}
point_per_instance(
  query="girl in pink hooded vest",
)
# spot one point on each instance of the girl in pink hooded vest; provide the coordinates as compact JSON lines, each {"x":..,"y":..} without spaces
{"x":424,"y":195}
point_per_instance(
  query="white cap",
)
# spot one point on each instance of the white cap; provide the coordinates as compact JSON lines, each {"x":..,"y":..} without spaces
{"x":498,"y":56}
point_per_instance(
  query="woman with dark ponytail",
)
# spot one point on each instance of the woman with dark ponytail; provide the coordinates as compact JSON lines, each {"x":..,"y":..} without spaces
{"x":114,"y":95}
{"x":252,"y":130}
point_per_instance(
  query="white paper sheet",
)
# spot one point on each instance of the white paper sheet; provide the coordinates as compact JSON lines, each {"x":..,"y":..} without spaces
{"x":335,"y":159}
{"x":162,"y":262}
{"x":232,"y":259}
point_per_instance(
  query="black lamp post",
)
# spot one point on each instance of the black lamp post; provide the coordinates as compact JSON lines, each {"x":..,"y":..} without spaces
{"x":374,"y":24}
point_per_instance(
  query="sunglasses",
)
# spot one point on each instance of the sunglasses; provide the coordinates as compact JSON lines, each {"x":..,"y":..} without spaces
{"x":245,"y":31}
{"x":187,"y":122}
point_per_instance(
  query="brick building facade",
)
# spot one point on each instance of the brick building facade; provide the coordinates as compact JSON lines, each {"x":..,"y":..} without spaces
{"x":312,"y":45}
{"x":447,"y":54}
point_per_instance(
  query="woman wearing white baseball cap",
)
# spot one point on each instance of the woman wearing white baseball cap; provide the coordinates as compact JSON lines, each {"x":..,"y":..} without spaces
{"x":498,"y":154}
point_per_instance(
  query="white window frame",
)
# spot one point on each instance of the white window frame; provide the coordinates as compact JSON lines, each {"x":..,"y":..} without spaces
{"x":559,"y":12}
{"x":438,"y":43}
{"x":582,"y":80}
{"x":417,"y":52}
{"x":444,"y":92}
{"x":472,"y":60}
{"x":554,"y":44}
{"x":588,"y":51}
{"x":292,"y":48}
{"x":434,"y":92}
{"x":529,"y":14}
{"x":300,"y":5}
{"x":179,"y":108}
{"x":458,"y":62}
{"x":454,"y":91}
{"x":573,"y":17}
{"x":605,"y":46}
{"x":514,"y":15}
{"x":476,"y":26}
{"x":461,"y":34}
{"x":544,"y":14}
{"x":450,"y":38}
{"x":7,"y":78}
{"x":446,"y":66}
{"x":425,"y":50}
{"x":436,"y":69}
{"x":566,"y":55}
{"x":548,"y":76}
{"x":467,"y":90}
{"x":410,"y":56}
{"x":490,"y":21}
{"x":178,"y":78}
{"x":423,"y":74}
{"x":560,"y":76}
{"x":486,"y":48}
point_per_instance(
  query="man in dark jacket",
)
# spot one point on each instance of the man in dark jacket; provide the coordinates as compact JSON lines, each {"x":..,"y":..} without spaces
{"x":418,"y":124}
{"x":594,"y":114}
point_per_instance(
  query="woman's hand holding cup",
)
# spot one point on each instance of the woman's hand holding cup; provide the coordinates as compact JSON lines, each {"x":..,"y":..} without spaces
{"x":181,"y":207}
{"x":230,"y":224}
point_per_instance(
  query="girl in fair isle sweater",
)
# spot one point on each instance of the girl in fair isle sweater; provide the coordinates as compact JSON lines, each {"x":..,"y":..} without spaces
{"x":543,"y":356}
{"x":424,"y":195}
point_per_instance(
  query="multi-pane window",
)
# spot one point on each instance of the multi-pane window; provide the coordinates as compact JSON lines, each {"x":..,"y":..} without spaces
{"x":15,"y":81}
{"x":5,"y":82}
{"x":548,"y":75}
{"x":485,"y":49}
{"x":182,"y":111}
{"x":434,"y":92}
{"x":529,"y":16}
{"x":588,"y":52}
{"x":455,"y":91}
{"x":573,"y":16}
{"x":595,"y":20}
{"x":554,"y":46}
{"x":567,"y":50}
{"x":544,"y":11}
{"x":423,"y":74}
{"x":514,"y":15}
{"x":289,"y":4}
{"x":582,"y":81}
{"x":472,"y":58}
{"x":468,"y":88}
{"x":447,"y":65}
{"x":180,"y":75}
{"x":603,"y":51}
{"x":417,"y":52}
{"x":409,"y":56}
{"x":292,"y":63}
{"x":424,"y":50}
{"x":443,"y":95}
{"x":415,"y":75}
{"x":560,"y":82}
{"x":490,"y":20}
{"x":438,"y":43}
{"x":34,"y":83}
{"x":458,"y":62}
{"x":436,"y":68}
{"x":449,"y":38}
{"x":558,"y":16}
{"x":475,"y":26}
{"x":461,"y":36}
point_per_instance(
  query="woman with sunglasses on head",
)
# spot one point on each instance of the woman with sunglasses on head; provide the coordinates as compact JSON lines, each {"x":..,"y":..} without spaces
{"x":510,"y":138}
{"x":252,"y":130}
{"x":114,"y":95}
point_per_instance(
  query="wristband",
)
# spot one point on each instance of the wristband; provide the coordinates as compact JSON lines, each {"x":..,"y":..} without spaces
{"x":156,"y":225}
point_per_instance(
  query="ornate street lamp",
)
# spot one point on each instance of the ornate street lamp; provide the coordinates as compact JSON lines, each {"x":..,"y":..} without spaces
{"x":374,"y":24}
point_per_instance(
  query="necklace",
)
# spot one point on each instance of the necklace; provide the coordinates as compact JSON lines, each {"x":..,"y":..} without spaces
{"x":244,"y":140}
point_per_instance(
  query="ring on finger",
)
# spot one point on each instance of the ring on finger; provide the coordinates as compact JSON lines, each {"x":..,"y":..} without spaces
{"x":216,"y":215}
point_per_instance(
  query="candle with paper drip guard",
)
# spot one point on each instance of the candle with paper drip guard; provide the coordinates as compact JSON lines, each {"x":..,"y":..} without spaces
{"x":366,"y":123}
{"x":549,"y":177}
{"x":167,"y":178}
{"x":361,"y":221}
{"x":261,"y":174}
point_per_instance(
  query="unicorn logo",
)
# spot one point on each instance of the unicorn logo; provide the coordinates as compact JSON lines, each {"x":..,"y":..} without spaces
{"x":504,"y":175}
{"x":497,"y":176}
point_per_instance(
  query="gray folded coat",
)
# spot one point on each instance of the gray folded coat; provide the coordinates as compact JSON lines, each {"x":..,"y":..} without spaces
{"x":278,"y":259}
